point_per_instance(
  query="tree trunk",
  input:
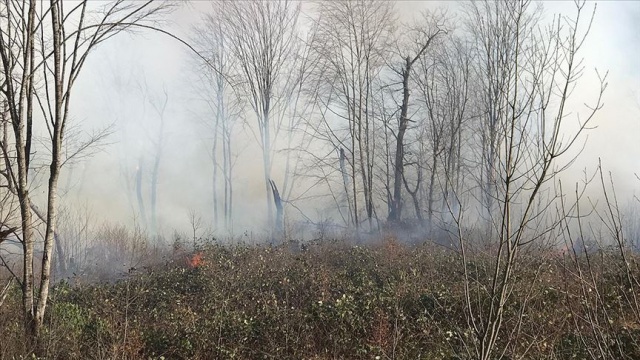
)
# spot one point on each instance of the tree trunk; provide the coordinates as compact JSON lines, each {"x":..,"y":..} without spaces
{"x":225,"y":178}
{"x":279,"y":225}
{"x":214,"y":153}
{"x":396,"y":209}
{"x":54,"y":168}
{"x":214,"y":183}
{"x":414,"y":196}
{"x":141,"y":207}
{"x":430,"y":199}
{"x":266,"y":163}
{"x":154,"y":183}
{"x":229,"y":181}
{"x":345,"y":181}
{"x":23,"y":146}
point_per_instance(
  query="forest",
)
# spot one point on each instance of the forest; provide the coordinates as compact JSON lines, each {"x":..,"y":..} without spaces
{"x":349,"y":179}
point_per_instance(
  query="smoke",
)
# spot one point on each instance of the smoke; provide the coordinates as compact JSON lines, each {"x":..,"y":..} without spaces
{"x":119,"y":74}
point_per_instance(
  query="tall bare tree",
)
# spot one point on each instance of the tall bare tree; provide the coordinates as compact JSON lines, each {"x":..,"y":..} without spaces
{"x":443,"y":81}
{"x":353,"y":38}
{"x":422,"y":37}
{"x":261,"y":37}
{"x":223,"y":101}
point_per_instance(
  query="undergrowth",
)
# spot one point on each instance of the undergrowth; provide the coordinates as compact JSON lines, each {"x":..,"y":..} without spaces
{"x":328,"y":301}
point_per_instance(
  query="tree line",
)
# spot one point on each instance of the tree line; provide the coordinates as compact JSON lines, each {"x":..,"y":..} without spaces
{"x":389,"y":121}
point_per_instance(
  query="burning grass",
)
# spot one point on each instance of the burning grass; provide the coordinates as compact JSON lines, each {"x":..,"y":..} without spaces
{"x":331,"y":301}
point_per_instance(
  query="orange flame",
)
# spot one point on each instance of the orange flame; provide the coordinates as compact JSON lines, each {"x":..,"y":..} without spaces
{"x":196,"y":260}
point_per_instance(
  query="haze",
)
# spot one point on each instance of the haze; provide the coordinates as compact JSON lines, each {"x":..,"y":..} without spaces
{"x":112,"y":89}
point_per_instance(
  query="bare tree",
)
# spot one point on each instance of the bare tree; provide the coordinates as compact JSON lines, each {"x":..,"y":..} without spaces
{"x":261,"y":37}
{"x":353,"y":38}
{"x":53,"y":43}
{"x":443,"y":81}
{"x":223,"y":101}
{"x":527,"y":71}
{"x":423,"y":38}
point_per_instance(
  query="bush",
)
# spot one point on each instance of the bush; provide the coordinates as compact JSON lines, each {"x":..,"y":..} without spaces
{"x":329,"y":301}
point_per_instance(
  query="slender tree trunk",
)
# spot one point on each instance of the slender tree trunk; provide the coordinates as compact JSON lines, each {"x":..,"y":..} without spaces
{"x":154,"y":180}
{"x":28,"y":250}
{"x":396,"y":209}
{"x":229,"y":188}
{"x":450,"y":165}
{"x":416,"y":205}
{"x":361,"y":158}
{"x":23,"y":147}
{"x":266,"y":163}
{"x":352,"y":163}
{"x":228,"y":175}
{"x":141,"y":207}
{"x":214,"y":183}
{"x":370,"y":146}
{"x":54,"y":168}
{"x":345,"y":181}
{"x":279,"y":211}
{"x":430,"y":200}
{"x":226,"y":169}
{"x":214,"y":151}
{"x":45,"y":277}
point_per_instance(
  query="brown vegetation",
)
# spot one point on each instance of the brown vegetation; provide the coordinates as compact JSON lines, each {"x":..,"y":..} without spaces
{"x":331,"y":301}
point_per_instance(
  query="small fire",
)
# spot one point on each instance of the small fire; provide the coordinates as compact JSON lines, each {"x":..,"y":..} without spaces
{"x":196,"y":260}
